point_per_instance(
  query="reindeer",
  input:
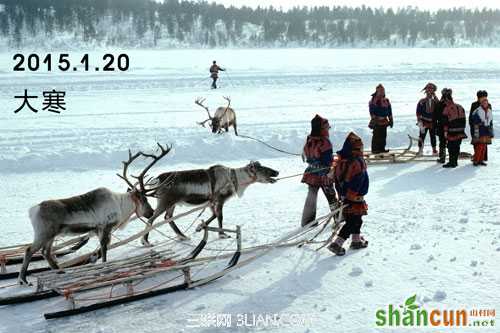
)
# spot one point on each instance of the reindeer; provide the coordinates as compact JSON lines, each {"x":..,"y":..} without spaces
{"x":224,"y":117}
{"x":99,"y":212}
{"x":214,"y":185}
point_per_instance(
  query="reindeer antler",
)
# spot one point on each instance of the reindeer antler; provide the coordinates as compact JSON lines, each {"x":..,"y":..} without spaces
{"x":163,"y":151}
{"x":131,"y":158}
{"x":199,"y":101}
{"x":228,"y":99}
{"x":140,"y":178}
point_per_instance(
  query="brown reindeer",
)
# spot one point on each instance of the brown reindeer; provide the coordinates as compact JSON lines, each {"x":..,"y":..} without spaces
{"x":216,"y":185}
{"x":223,"y":118}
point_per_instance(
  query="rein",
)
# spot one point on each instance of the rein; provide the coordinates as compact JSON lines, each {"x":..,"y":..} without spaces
{"x":269,"y":146}
{"x":302,"y":173}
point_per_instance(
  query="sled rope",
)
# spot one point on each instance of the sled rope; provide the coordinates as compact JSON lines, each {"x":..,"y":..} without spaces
{"x":269,"y":146}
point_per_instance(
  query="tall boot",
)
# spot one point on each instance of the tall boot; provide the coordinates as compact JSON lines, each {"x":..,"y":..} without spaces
{"x":442,"y":151}
{"x":420,"y":151}
{"x":450,"y":163}
{"x":309,"y":211}
{"x":455,"y":157}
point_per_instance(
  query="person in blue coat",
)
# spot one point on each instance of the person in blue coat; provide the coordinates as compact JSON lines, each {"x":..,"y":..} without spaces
{"x":380,"y":117}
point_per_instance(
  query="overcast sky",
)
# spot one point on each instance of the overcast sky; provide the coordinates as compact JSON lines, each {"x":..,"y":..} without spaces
{"x":423,"y":4}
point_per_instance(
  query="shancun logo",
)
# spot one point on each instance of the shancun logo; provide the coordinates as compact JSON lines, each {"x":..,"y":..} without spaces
{"x":411,"y":314}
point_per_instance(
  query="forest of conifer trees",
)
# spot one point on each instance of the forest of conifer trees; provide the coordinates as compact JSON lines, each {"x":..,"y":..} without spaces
{"x":174,"y":23}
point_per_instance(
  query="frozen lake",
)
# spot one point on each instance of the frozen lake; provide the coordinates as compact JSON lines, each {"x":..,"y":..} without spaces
{"x":426,"y":227}
{"x":275,"y":94}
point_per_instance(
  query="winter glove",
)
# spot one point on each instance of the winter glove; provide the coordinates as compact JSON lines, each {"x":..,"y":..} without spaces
{"x":391,"y":122}
{"x":371,"y":124}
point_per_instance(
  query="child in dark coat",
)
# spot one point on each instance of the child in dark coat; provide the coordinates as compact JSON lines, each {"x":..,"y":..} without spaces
{"x":352,"y":182}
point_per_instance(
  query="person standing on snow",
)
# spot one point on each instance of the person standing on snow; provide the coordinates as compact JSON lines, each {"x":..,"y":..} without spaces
{"x":352,"y":182}
{"x":214,"y":73}
{"x":318,"y":155}
{"x":381,"y":117}
{"x":438,"y":123}
{"x":481,"y":94}
{"x":425,"y":110}
{"x":482,"y":129}
{"x":454,"y":127}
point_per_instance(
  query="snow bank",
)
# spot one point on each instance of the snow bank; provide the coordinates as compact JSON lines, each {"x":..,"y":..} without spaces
{"x":102,"y":149}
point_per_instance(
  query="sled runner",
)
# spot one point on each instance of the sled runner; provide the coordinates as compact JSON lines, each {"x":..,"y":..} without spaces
{"x":404,"y":155}
{"x":155,"y":272}
{"x":13,"y":255}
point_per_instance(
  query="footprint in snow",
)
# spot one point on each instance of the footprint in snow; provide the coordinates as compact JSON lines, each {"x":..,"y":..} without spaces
{"x":415,"y":247}
{"x":368,"y":283}
{"x":473,"y":263}
{"x":356,"y":271}
{"x":464,"y":220}
{"x":439,"y":296}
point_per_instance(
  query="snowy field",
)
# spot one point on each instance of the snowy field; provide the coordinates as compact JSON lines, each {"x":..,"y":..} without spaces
{"x":433,"y":232}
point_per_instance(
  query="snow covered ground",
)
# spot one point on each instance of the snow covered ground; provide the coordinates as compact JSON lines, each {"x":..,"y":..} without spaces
{"x":432,"y":232}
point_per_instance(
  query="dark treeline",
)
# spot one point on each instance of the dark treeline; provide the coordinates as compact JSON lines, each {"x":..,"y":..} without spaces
{"x":145,"y":23}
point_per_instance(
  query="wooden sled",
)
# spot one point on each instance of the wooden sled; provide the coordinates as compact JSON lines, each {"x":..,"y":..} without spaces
{"x":405,"y":155}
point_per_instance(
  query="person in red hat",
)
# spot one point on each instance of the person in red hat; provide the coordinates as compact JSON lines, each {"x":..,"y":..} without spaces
{"x":380,"y":118}
{"x":352,"y":182}
{"x":482,"y":131}
{"x":425,"y":111}
{"x":318,"y":155}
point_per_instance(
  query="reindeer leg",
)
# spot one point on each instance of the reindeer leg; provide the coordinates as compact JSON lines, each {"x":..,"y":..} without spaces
{"x":104,"y":238}
{"x":169,"y":213}
{"x":34,"y":247}
{"x":158,"y":211}
{"x":48,"y":255}
{"x":206,"y":223}
{"x":220,"y":217}
{"x":235,"y":130}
